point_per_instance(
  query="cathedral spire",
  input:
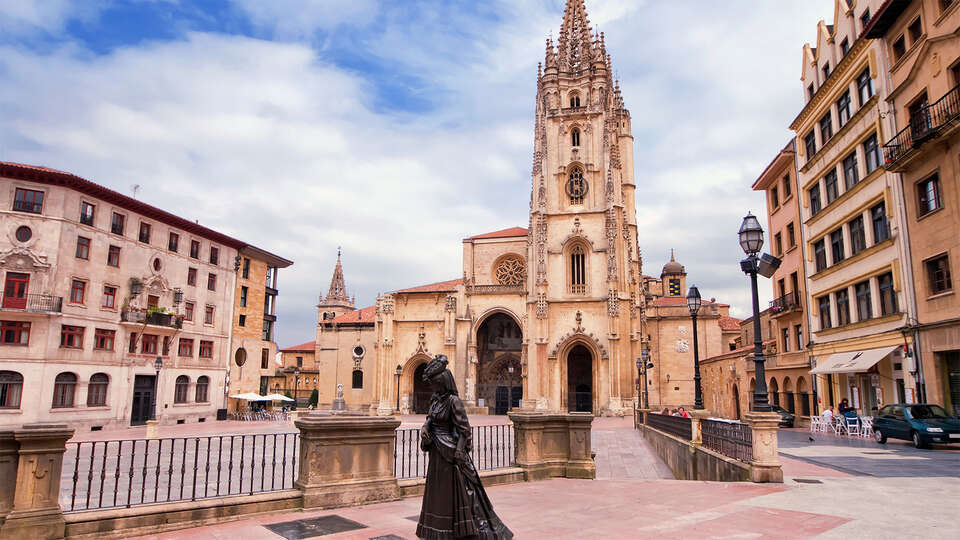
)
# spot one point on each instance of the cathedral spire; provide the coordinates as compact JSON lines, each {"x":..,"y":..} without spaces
{"x":575,"y":40}
{"x":338,"y":290}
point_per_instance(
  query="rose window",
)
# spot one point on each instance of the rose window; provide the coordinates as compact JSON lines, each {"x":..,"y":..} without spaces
{"x":511,"y":271}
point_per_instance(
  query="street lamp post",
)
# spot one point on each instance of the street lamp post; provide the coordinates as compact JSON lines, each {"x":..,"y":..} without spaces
{"x":510,"y":389}
{"x":157,"y":365}
{"x":399,"y":372}
{"x":643,"y":364}
{"x":751,"y":240}
{"x":296,"y":385}
{"x":693,"y":304}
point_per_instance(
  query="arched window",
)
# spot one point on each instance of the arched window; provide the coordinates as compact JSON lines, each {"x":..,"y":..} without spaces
{"x":576,"y":186}
{"x":64,"y":387}
{"x":357,"y":378}
{"x":575,"y":137}
{"x":97,"y":390}
{"x":11,"y":388}
{"x":578,"y":270}
{"x":203,"y":382}
{"x":180,"y":389}
{"x":574,"y":100}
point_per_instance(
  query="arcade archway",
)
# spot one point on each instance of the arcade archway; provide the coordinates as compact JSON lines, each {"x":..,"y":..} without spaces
{"x":499,"y":378}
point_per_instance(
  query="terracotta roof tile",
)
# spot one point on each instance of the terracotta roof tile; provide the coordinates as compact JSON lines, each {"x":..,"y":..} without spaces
{"x":729,"y":323}
{"x":309,"y":346}
{"x":442,"y":286}
{"x":365,"y":315}
{"x":505,"y":233}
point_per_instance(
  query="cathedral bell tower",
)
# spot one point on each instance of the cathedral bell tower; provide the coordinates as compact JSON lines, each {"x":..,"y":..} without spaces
{"x":584,"y":283}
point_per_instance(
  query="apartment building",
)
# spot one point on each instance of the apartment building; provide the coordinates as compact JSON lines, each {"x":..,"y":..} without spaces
{"x":920,"y":40}
{"x":113,"y":311}
{"x":859,"y":278}
{"x":254,"y":318}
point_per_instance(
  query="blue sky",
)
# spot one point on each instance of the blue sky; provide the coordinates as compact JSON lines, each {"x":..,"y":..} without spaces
{"x":395,"y":128}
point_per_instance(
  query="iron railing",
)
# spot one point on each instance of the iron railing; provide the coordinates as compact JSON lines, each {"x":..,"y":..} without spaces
{"x":156,"y":318}
{"x":493,"y":448}
{"x":677,"y":426}
{"x":37,"y":303}
{"x":731,"y":439}
{"x":924,"y":124}
{"x":133,"y":472}
{"x":787,"y":302}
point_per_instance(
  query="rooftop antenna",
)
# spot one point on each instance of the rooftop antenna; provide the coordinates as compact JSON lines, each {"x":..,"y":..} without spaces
{"x":135,"y":189}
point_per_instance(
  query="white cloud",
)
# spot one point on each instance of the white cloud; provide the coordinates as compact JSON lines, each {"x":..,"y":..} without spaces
{"x":273,"y":144}
{"x":22,"y":18}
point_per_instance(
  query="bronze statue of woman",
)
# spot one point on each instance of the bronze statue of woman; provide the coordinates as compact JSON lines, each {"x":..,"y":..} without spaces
{"x":455,"y":504}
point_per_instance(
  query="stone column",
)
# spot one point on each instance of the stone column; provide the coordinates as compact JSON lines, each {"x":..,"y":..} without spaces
{"x":765,"y":466}
{"x":346,"y":460}
{"x":695,"y":430}
{"x":36,"y":511}
{"x":8,"y":472}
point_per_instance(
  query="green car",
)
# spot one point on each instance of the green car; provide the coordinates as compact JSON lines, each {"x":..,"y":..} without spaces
{"x":922,"y":423}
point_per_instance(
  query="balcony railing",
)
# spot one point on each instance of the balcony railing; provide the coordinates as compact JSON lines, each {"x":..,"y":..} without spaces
{"x":156,"y":319}
{"x":925,"y":124}
{"x":34,"y":303}
{"x":785,"y":303}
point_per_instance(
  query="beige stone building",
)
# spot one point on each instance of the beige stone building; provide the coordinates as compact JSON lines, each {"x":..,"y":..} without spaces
{"x":549,"y":317}
{"x":854,"y":227}
{"x":254,"y":321}
{"x":97,"y":287}
{"x":920,"y":41}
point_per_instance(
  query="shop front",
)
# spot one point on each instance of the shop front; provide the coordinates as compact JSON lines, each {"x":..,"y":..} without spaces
{"x":868,"y":379}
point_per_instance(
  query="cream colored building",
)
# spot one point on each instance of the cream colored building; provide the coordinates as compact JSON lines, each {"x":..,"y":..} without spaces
{"x":97,"y":287}
{"x":854,"y":229}
{"x":921,"y":41}
{"x":549,"y":317}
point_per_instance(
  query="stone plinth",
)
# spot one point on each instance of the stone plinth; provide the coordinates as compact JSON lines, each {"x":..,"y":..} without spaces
{"x":553,"y":444}
{"x":346,"y":460}
{"x":8,"y":472}
{"x":152,"y":429}
{"x":36,"y":512}
{"x":766,"y":457}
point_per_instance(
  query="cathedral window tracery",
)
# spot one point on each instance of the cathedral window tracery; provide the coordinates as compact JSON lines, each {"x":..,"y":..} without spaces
{"x":578,"y":270}
{"x":574,"y":100}
{"x":511,"y":271}
{"x":576,"y":186}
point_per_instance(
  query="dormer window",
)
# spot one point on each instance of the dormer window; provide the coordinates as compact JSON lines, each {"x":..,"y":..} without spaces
{"x":575,"y":137}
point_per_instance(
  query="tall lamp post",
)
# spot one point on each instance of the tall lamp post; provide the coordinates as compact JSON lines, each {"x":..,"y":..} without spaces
{"x":157,"y":365}
{"x":751,"y":240}
{"x":399,"y":372}
{"x":510,"y":389}
{"x":296,"y":385}
{"x":643,"y":364}
{"x":693,"y":303}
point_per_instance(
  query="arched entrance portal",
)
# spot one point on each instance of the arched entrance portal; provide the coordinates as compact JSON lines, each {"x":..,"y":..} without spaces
{"x":499,"y":380}
{"x":421,"y":391}
{"x":579,"y":380}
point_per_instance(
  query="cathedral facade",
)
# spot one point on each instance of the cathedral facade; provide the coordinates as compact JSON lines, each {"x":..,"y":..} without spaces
{"x":548,"y":317}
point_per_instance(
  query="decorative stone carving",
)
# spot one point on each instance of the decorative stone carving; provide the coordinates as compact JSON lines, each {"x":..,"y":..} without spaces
{"x":541,"y":306}
{"x":451,"y":303}
{"x":613,"y":304}
{"x":387,"y":303}
{"x":421,"y":343}
{"x":682,"y":330}
{"x":511,"y":271}
{"x":683,"y":346}
{"x":20,"y":258}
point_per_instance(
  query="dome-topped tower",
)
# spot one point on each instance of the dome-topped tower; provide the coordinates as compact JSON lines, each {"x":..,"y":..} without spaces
{"x":674,"y":277}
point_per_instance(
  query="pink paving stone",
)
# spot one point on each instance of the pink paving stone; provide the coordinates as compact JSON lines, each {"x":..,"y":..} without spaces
{"x":760,"y":523}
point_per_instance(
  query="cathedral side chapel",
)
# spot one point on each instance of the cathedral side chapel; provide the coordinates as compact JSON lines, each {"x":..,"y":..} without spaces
{"x":550,"y":317}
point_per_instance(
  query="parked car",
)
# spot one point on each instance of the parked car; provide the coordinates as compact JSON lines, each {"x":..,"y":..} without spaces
{"x":786,"y":417}
{"x":922,"y":423}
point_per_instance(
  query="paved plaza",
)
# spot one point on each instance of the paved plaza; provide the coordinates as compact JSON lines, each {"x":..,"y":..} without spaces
{"x":832,"y":489}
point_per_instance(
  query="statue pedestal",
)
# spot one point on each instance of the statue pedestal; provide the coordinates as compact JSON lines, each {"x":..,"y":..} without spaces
{"x":553,"y":445}
{"x":346,"y":460}
{"x":339,"y":405}
{"x":765,"y":466}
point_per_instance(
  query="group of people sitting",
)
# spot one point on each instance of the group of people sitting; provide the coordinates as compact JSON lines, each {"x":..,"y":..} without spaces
{"x":675,"y":412}
{"x":843,"y":409}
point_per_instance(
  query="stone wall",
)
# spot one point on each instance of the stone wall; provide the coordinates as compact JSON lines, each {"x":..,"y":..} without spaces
{"x":693,"y":462}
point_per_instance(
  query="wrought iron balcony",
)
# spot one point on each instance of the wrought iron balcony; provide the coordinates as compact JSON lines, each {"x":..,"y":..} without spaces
{"x":928,"y":123}
{"x":169,"y":320}
{"x":33,"y":303}
{"x":786,"y":303}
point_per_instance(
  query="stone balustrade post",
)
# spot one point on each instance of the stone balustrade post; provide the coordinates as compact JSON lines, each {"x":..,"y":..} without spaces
{"x":36,"y":510}
{"x":765,"y":466}
{"x":551,"y":445}
{"x":696,"y":429}
{"x":8,"y":472}
{"x":346,"y":460}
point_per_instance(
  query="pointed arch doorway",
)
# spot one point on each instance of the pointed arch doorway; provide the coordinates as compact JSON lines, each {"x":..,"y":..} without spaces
{"x":421,"y":391}
{"x":499,"y":377}
{"x":580,"y":379}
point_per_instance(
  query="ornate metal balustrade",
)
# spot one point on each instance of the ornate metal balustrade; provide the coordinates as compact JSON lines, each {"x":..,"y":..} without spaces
{"x":927,"y":123}
{"x":492,"y":449}
{"x":34,"y":303}
{"x":125,"y":473}
{"x":677,"y":426}
{"x":785,"y":303}
{"x":731,"y":439}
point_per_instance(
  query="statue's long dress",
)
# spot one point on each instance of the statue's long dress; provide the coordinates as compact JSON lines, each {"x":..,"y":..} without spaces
{"x":454,"y":502}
